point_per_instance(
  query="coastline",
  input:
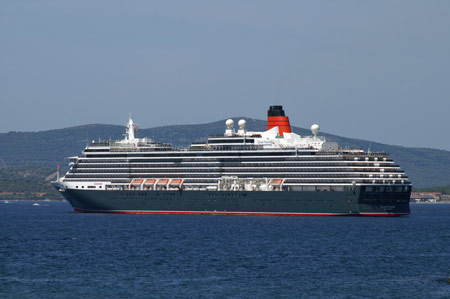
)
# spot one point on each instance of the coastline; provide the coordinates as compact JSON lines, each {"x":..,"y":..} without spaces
{"x":429,"y":203}
{"x":31,"y":200}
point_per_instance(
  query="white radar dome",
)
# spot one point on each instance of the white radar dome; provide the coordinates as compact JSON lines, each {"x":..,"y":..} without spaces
{"x":229,"y":123}
{"x":315,"y":129}
{"x":242,"y":123}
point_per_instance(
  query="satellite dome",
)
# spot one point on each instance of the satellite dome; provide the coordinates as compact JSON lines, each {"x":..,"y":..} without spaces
{"x":229,"y":123}
{"x":242,"y":123}
{"x":315,"y":129}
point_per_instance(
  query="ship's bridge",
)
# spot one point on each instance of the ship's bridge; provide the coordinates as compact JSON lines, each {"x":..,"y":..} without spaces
{"x":129,"y":144}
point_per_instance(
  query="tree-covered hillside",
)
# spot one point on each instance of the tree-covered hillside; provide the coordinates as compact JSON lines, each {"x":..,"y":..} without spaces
{"x":426,"y":167}
{"x":27,"y":182}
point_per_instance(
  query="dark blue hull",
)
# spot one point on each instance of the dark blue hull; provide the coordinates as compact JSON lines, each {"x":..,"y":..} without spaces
{"x":355,"y":202}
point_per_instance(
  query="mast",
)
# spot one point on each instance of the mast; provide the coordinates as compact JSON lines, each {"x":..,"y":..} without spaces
{"x":130,"y":129}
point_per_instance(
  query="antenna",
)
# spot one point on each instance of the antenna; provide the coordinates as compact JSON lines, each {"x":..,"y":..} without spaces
{"x":368,"y":150}
{"x":87,"y":138}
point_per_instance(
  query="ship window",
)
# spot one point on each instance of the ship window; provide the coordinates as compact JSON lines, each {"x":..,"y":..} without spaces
{"x":379,"y":189}
{"x":369,"y":189}
{"x":398,"y":189}
{"x":389,"y":189}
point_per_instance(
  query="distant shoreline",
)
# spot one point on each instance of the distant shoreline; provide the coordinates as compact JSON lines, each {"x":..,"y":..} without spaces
{"x":31,"y":200}
{"x":431,"y":203}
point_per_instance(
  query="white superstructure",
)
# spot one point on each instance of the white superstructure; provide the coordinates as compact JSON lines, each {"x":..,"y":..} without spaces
{"x":236,"y":160}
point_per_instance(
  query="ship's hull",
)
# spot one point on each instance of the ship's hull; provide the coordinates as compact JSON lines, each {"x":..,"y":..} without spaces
{"x":355,"y":202}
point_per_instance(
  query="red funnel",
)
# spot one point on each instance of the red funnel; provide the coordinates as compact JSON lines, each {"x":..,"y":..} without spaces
{"x":276,"y":117}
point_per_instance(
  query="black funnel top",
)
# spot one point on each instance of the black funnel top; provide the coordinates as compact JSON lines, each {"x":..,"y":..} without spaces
{"x":275,"y":111}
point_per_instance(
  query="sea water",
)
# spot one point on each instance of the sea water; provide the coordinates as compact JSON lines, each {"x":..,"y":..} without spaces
{"x":50,"y":251}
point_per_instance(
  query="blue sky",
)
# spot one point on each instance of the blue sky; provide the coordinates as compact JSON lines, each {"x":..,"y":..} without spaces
{"x":377,"y":70}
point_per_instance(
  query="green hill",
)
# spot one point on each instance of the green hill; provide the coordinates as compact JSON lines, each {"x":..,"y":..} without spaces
{"x":27,"y":182}
{"x":426,"y":167}
{"x":445,"y":189}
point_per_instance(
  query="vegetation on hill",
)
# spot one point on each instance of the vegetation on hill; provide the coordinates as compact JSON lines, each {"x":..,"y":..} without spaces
{"x":49,"y":148}
{"x":442,"y":189}
{"x":426,"y":167}
{"x":27,"y":182}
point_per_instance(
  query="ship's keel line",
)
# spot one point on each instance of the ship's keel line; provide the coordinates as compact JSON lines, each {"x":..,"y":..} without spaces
{"x":234,"y":213}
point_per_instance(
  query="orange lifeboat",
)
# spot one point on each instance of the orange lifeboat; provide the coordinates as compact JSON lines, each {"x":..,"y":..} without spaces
{"x":276,"y":182}
{"x":176,"y":182}
{"x":163,"y":182}
{"x":150,"y":181}
{"x":137,"y":181}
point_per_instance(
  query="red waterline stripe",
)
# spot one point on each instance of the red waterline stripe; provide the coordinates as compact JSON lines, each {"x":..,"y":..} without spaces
{"x":208,"y":213}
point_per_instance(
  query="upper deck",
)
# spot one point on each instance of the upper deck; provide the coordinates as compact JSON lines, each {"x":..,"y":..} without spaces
{"x":276,"y":153}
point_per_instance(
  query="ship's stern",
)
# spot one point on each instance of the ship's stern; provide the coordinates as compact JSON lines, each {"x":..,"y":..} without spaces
{"x":384,"y":200}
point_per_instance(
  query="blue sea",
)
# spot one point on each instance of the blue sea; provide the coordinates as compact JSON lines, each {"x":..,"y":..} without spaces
{"x":50,"y":251}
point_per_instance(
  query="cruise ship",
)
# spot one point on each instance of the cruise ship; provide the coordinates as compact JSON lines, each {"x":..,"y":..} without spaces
{"x":239,"y":172}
